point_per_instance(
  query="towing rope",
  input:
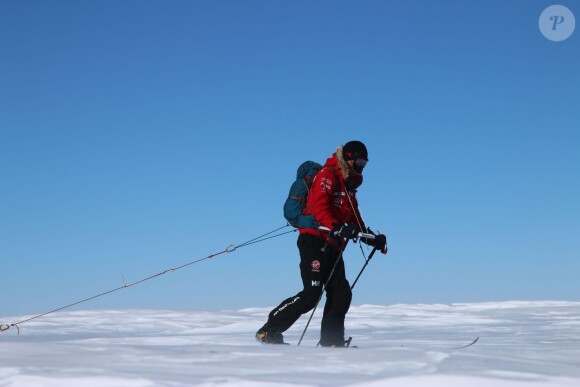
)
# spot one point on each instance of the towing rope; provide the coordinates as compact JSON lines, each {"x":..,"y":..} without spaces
{"x":229,"y":249}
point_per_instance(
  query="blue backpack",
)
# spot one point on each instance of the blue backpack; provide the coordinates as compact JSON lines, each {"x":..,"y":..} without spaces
{"x":298,"y":195}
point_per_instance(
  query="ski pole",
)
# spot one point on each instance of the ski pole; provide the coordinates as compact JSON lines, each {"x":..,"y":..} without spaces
{"x":368,"y":259}
{"x":322,"y":292}
{"x":364,"y":267}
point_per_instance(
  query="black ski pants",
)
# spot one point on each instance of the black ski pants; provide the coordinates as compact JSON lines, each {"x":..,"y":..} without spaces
{"x":316,"y":265}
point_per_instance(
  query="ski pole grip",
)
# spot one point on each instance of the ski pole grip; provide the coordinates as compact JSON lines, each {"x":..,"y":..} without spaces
{"x":360,"y":234}
{"x":327,"y":229}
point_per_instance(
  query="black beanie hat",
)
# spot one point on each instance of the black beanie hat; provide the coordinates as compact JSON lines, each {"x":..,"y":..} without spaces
{"x":353,"y":150}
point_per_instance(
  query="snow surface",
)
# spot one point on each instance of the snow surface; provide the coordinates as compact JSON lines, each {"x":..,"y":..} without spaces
{"x":521,"y":344}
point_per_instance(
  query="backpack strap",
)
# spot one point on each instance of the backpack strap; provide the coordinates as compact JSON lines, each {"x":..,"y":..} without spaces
{"x":297,"y":198}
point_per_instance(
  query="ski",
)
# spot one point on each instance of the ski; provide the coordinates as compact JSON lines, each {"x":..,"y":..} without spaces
{"x":347,"y":344}
{"x":442,"y":346}
{"x":468,"y":345}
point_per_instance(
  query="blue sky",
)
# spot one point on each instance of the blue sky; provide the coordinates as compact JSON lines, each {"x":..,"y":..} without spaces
{"x":136,"y":136}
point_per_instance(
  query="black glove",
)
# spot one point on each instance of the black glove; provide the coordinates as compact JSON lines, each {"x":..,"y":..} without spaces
{"x":348,"y":231}
{"x":380,"y":243}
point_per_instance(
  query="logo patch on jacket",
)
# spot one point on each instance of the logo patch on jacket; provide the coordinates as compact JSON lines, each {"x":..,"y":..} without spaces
{"x":326,"y":184}
{"x":315,"y":265}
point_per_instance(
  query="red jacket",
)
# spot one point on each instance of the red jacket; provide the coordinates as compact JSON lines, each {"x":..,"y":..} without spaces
{"x":328,"y":201}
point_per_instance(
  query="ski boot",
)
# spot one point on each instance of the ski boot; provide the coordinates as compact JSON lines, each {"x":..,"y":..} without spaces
{"x":267,"y":337}
{"x":343,"y":344}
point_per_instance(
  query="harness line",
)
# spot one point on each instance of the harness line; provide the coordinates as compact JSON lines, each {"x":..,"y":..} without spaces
{"x":229,"y":249}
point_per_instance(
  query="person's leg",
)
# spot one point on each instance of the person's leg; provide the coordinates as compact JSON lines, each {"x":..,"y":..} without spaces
{"x":312,"y":269}
{"x":338,"y":299}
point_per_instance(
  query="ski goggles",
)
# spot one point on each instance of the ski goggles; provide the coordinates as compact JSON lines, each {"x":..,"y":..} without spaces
{"x":361,"y":163}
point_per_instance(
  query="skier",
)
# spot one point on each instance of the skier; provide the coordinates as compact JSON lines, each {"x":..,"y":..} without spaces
{"x":332,"y":202}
